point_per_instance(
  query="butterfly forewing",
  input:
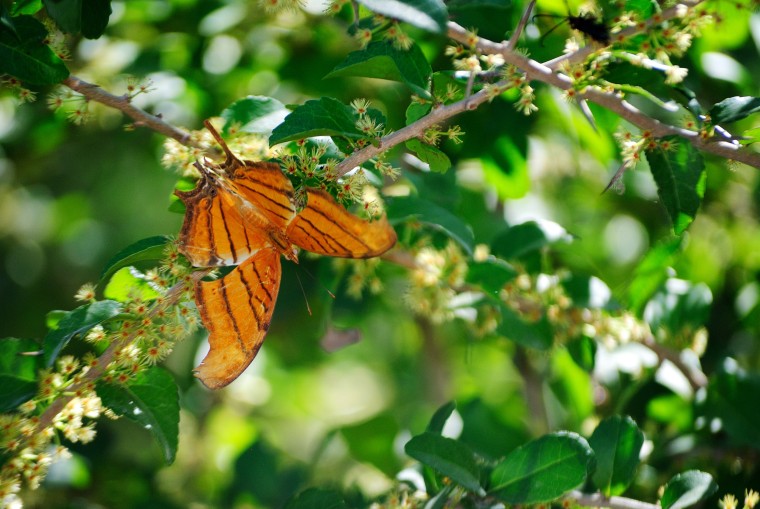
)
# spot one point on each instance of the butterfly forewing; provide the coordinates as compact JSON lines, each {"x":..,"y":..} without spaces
{"x":237,"y":310}
{"x":214,"y":232}
{"x":265,"y":186}
{"x":325,"y":227}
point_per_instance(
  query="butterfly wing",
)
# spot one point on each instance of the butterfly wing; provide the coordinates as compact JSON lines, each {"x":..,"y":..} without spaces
{"x":264,"y":186}
{"x":236,"y":311}
{"x":214,"y":232}
{"x":325,"y":227}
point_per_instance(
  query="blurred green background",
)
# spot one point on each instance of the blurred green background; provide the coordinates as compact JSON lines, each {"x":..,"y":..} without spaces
{"x":72,"y":196}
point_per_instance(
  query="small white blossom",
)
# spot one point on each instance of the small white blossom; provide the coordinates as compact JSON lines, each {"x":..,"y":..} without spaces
{"x":675,"y":74}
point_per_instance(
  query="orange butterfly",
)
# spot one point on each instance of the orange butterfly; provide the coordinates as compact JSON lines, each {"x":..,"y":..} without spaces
{"x":243,"y":213}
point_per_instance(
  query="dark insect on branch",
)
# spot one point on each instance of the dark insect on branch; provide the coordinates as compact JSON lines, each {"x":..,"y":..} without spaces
{"x":586,"y":23}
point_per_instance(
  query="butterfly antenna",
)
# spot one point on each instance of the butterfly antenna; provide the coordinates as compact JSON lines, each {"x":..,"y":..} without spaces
{"x":314,"y":278}
{"x":305,"y":298}
{"x":218,"y":137}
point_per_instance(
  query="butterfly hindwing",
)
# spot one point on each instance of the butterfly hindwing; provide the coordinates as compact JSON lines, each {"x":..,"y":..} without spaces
{"x":325,"y":227}
{"x":236,"y":310}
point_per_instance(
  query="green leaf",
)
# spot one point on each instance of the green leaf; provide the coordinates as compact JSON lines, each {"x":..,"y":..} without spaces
{"x":429,"y":15}
{"x":152,"y":400}
{"x":129,"y":283}
{"x":440,"y":417}
{"x":438,"y":161}
{"x":587,"y":291}
{"x":538,"y":335}
{"x":727,"y":402}
{"x":491,"y":274}
{"x":152,"y":248}
{"x":447,"y":457}
{"x":527,"y":237}
{"x":75,"y":322}
{"x":90,"y":17}
{"x":681,"y":180}
{"x":542,"y":470}
{"x":318,"y":117}
{"x":383,"y":61}
{"x":24,"y":55}
{"x":18,"y":370}
{"x":254,"y":114}
{"x":506,"y":169}
{"x":733,"y":109}
{"x":583,"y":352}
{"x":652,"y":271}
{"x":679,"y":304}
{"x":372,"y":442}
{"x":403,"y":208}
{"x":316,"y":498}
{"x":26,"y":7}
{"x":616,"y":442}
{"x":687,"y":489}
{"x":416,"y":111}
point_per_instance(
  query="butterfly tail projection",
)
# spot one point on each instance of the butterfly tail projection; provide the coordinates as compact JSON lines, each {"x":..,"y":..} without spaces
{"x":325,"y":227}
{"x":236,"y":310}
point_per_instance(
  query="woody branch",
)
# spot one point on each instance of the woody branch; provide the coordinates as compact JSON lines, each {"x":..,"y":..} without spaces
{"x":123,"y":103}
{"x":537,"y":71}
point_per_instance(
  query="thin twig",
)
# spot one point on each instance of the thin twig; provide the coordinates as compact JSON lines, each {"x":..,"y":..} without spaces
{"x":512,"y":43}
{"x":122,"y":103}
{"x":696,"y":378}
{"x":599,"y":500}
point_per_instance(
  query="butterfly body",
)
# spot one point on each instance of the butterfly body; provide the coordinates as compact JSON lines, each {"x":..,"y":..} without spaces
{"x":244,"y":213}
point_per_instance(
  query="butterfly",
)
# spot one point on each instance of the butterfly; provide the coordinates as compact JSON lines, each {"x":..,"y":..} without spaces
{"x":585,"y":23}
{"x":244,"y":213}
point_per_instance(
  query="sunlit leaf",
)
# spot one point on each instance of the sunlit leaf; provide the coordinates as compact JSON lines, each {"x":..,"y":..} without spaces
{"x":448,"y":457}
{"x":152,"y":400}
{"x":75,"y":322}
{"x":128,"y":283}
{"x":254,"y":114}
{"x":687,"y":489}
{"x":429,"y":15}
{"x":18,"y":370}
{"x":681,"y":180}
{"x":152,"y":248}
{"x":26,"y":7}
{"x":542,"y":470}
{"x":616,"y":442}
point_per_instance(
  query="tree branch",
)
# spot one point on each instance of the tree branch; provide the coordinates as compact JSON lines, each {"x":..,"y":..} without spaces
{"x":171,"y":298}
{"x":123,"y":103}
{"x":610,"y":100}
